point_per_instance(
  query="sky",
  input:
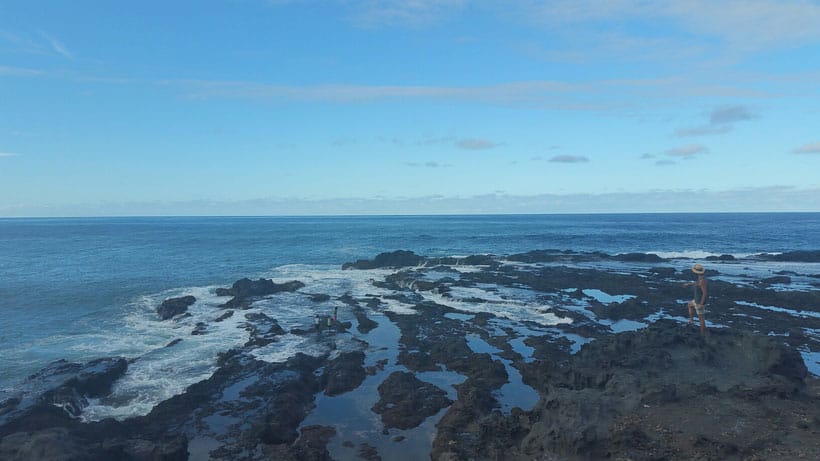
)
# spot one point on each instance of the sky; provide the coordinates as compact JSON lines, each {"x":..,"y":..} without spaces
{"x":294,"y":107}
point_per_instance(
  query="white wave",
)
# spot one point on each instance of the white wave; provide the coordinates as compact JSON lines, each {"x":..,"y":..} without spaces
{"x":696,"y":254}
{"x":513,"y":310}
{"x":398,"y":307}
{"x":791,"y":312}
{"x":159,"y":372}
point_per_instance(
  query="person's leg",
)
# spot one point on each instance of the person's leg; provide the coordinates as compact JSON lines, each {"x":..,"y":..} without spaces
{"x":702,"y":318}
{"x":691,"y":313}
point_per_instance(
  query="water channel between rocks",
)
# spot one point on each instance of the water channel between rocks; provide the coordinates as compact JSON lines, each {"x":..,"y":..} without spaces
{"x":357,"y":425}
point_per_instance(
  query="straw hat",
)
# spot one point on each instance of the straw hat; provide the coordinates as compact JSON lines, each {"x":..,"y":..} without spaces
{"x":698,"y":269}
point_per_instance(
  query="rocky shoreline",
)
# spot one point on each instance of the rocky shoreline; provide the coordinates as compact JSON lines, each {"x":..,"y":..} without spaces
{"x":612,"y":376}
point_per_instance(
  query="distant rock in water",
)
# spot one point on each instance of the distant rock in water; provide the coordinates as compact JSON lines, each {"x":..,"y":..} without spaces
{"x":244,"y":289}
{"x":638,"y":257}
{"x":804,"y":256}
{"x":172,"y":307}
{"x":398,"y":258}
{"x":720,"y":258}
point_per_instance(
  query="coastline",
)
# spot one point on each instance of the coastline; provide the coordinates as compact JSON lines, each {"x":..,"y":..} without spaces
{"x":479,"y":320}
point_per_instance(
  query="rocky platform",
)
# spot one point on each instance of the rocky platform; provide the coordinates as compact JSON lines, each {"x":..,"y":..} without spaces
{"x":541,"y":322}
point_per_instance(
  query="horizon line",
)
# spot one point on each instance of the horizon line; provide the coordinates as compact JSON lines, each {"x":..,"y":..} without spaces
{"x":397,"y":215}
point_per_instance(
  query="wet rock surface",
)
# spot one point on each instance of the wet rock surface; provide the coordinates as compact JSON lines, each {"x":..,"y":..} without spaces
{"x":405,"y":401}
{"x":174,"y":306}
{"x":467,"y":335}
{"x":245,"y":290}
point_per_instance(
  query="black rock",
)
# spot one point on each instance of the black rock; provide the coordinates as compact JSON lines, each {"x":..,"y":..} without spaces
{"x":174,"y":306}
{"x":319,"y":297}
{"x":638,"y":257}
{"x":778,"y":279}
{"x":398,"y":258}
{"x":344,"y":373}
{"x":224,"y":316}
{"x":200,"y":329}
{"x":406,"y":401}
{"x":244,"y":289}
{"x":62,"y":389}
{"x":720,"y":258}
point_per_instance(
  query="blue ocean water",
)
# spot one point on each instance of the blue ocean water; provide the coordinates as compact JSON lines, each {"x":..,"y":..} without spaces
{"x":78,"y":288}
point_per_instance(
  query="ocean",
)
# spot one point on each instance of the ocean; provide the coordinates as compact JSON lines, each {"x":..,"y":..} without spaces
{"x":82,"y":288}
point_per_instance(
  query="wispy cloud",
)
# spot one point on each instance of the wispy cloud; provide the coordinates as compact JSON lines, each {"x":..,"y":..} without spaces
{"x":19,"y":72}
{"x":40,"y":43}
{"x":57,"y":46}
{"x":647,"y":156}
{"x":665,"y":162}
{"x":721,"y":120}
{"x":730,"y":114}
{"x":546,"y":94}
{"x":811,"y":148}
{"x":569,"y":159}
{"x":476,"y":144}
{"x":413,"y":13}
{"x":741,"y":25}
{"x":687,"y":151}
{"x":702,"y":130}
{"x":9,"y":154}
{"x":343,"y":141}
{"x":429,"y":164}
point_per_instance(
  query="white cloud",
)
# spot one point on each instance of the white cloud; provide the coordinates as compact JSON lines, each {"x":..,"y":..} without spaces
{"x":569,"y":159}
{"x":702,"y":130}
{"x":721,"y":120}
{"x":476,"y":144}
{"x":730,"y":114}
{"x":812,"y":148}
{"x":429,"y":164}
{"x":687,"y":151}
{"x":9,"y":154}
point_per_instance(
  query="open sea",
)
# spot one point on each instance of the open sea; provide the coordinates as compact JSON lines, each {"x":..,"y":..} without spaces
{"x":82,"y":288}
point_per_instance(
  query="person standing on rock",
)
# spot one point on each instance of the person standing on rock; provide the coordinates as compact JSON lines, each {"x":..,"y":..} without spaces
{"x":698,"y":298}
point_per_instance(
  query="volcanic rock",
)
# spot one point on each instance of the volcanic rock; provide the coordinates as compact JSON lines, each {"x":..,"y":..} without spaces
{"x":172,"y":307}
{"x":405,"y":401}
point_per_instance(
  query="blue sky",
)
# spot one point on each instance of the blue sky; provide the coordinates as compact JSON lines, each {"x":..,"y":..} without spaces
{"x":254,"y":107}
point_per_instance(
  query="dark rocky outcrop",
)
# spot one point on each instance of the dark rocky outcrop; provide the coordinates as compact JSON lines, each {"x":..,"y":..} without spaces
{"x":398,"y":258}
{"x":244,"y":290}
{"x":405,"y":401}
{"x":638,"y":257}
{"x":263,"y":329}
{"x":649,"y":395}
{"x":172,"y":307}
{"x":344,"y":373}
{"x":64,"y":385}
